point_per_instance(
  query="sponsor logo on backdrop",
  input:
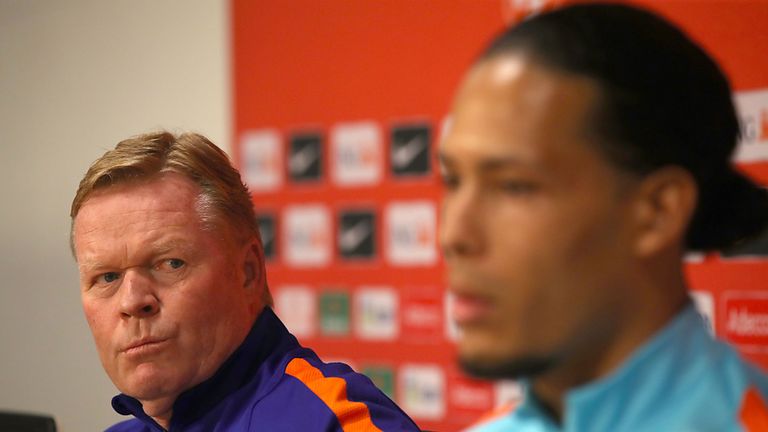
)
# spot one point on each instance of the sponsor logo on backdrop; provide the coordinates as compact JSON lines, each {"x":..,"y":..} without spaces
{"x":357,"y":234}
{"x":334,"y":313}
{"x":409,"y":151}
{"x":383,"y":377}
{"x":470,"y":395}
{"x":262,"y":159}
{"x":267,"y":232}
{"x":746,"y":319}
{"x":307,"y":235}
{"x":411,"y":233}
{"x":422,"y":315}
{"x":422,"y":391}
{"x":753,"y":111}
{"x":306,"y":157}
{"x":356,"y":154}
{"x":297,"y":307}
{"x":705,"y":305}
{"x":376,"y":313}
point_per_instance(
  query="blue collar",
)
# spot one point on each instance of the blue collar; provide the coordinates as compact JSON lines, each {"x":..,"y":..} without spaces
{"x":644,"y":378}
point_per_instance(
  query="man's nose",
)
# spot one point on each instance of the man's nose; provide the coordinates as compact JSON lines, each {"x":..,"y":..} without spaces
{"x":138,"y":297}
{"x":461,"y":230}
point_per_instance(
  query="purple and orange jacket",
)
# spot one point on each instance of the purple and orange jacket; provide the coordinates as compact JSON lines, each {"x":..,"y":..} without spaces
{"x":271,"y":383}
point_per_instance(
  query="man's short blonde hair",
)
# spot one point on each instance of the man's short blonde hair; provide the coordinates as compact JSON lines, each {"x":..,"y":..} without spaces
{"x":224,"y":203}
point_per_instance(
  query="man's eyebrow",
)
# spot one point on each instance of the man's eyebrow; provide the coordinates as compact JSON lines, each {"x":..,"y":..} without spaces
{"x":88,"y":265}
{"x":491,"y":163}
{"x":497,"y":163}
{"x":165,"y":246}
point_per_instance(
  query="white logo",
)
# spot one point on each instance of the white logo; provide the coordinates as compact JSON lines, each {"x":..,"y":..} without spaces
{"x":752,"y":107}
{"x":403,"y":155}
{"x":351,"y":238}
{"x":469,"y":395}
{"x":302,"y":159}
{"x":705,"y":305}
{"x":296,"y":305}
{"x":411,"y":233}
{"x":307,"y":235}
{"x":262,"y":159}
{"x":422,"y":315}
{"x":422,"y":391}
{"x":743,"y":322}
{"x":746,"y":319}
{"x":357,"y":154}
{"x":376,"y":313}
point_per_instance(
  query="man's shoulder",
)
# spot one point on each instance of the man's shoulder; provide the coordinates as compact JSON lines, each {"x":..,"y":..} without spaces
{"x":734,"y":374}
{"x":332,"y":393}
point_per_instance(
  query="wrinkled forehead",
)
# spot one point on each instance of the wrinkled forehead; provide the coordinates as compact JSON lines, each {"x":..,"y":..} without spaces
{"x":162,"y":192}
{"x":164,"y":197}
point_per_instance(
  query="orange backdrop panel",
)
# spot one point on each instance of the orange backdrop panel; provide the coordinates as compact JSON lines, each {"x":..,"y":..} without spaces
{"x":307,"y":66}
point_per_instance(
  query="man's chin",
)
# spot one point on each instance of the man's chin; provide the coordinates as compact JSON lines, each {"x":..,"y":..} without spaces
{"x":146,"y":386}
{"x":511,"y":368}
{"x":143,"y":391}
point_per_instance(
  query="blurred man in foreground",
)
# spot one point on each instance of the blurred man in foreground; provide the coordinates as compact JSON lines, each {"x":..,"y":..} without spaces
{"x":589,"y":150}
{"x":174,"y":289}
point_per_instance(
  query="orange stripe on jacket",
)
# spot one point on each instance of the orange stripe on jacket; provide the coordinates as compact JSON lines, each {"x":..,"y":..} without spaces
{"x":353,"y":416}
{"x":753,"y":412}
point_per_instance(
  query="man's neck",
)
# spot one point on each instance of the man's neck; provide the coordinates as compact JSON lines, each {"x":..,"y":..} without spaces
{"x":588,"y":362}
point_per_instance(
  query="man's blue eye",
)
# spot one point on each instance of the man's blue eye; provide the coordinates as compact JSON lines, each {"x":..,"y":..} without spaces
{"x":110,"y":277}
{"x":175,"y":263}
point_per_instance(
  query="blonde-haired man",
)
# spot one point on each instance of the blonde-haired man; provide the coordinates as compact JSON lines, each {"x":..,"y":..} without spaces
{"x":174,"y":289}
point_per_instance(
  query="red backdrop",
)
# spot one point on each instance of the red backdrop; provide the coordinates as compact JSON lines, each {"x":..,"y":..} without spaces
{"x":338,"y":107}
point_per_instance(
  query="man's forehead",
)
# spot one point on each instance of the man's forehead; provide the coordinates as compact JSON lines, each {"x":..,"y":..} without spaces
{"x":167,"y":192}
{"x":147,"y":208}
{"x":509,"y":106}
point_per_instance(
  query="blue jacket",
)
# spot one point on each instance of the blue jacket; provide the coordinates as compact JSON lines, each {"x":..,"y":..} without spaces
{"x":682,"y":380}
{"x":271,"y":383}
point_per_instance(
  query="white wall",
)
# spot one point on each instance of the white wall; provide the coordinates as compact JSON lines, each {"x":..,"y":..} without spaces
{"x":77,"y":76}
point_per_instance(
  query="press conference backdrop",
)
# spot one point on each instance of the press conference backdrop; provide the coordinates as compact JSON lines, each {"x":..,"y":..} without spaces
{"x":339,"y":109}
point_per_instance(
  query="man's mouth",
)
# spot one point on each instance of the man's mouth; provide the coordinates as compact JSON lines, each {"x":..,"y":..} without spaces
{"x":468,"y":309}
{"x":144,"y":346}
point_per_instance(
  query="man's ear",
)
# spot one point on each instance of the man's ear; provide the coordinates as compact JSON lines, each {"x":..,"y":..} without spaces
{"x":253,"y":265}
{"x":254,"y":272}
{"x":664,"y":206}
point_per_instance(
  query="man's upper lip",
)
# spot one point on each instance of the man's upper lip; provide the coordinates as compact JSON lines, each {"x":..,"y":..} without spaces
{"x":466,"y":290}
{"x":143,"y":341}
